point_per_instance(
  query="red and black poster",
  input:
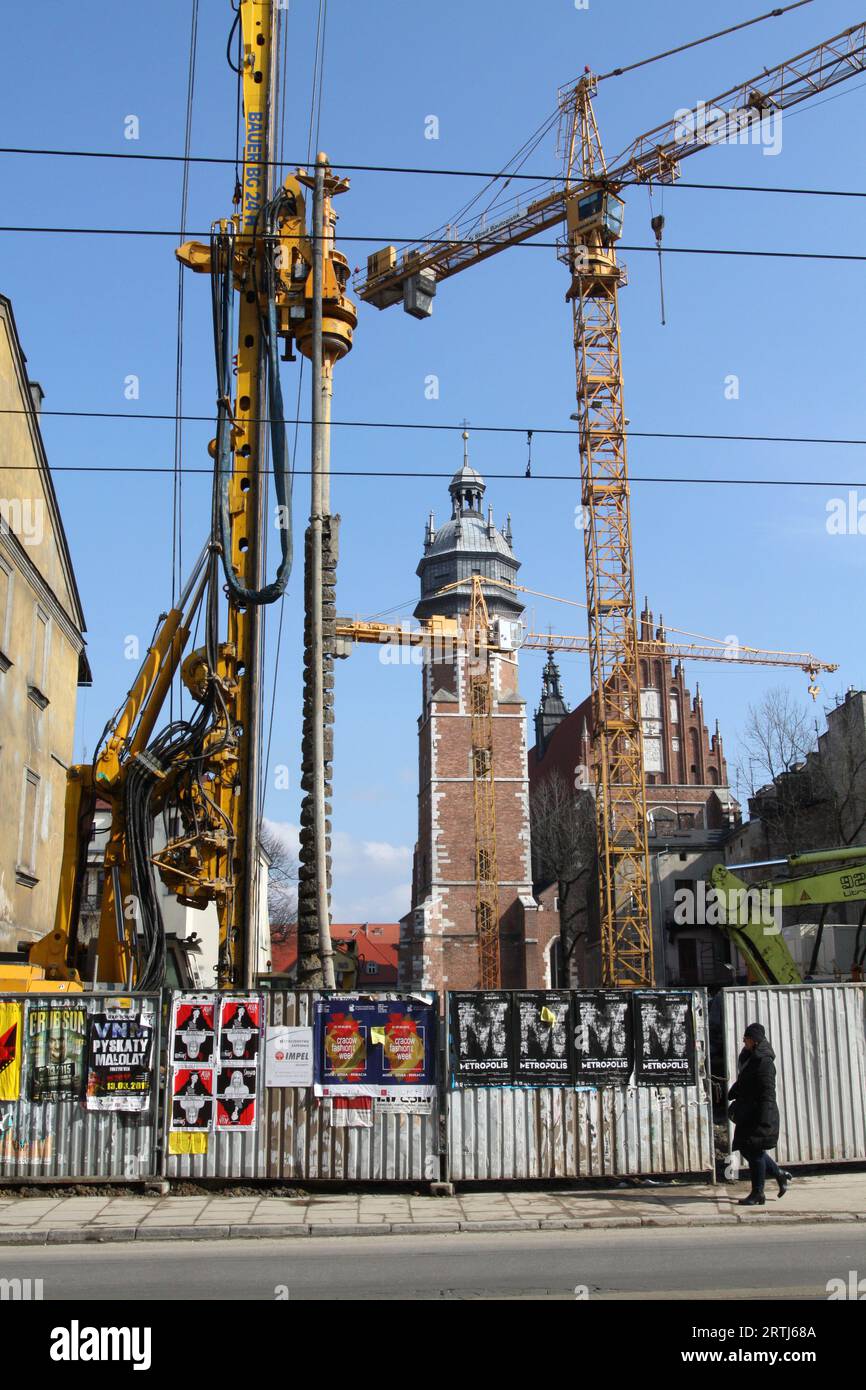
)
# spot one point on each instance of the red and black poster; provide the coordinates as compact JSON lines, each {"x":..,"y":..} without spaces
{"x":240,"y":1029}
{"x":236,"y":1097}
{"x":542,"y":1023}
{"x":481,"y":1038}
{"x":664,"y":1038}
{"x":603,"y":1053}
{"x":193,"y":1031}
{"x":192,"y":1098}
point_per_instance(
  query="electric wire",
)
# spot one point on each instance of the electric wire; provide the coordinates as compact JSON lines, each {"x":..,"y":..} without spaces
{"x":689,"y":436}
{"x":839,"y":256}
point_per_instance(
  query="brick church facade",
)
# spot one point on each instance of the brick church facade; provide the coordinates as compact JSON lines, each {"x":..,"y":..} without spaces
{"x":438,"y":944}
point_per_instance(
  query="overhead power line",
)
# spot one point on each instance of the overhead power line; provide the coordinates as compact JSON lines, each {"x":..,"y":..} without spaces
{"x":449,"y":473}
{"x":475,"y":241}
{"x":427,"y":425}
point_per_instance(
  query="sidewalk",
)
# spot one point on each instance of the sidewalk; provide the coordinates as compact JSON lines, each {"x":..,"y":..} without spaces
{"x":55,"y":1220}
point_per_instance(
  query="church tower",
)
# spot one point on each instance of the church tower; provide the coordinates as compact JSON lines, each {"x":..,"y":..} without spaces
{"x":438,"y":942}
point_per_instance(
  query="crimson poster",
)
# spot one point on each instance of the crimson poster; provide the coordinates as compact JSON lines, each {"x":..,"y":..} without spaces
{"x":193,"y":1030}
{"x":240,"y":1029}
{"x":236,"y":1097}
{"x":192,"y":1098}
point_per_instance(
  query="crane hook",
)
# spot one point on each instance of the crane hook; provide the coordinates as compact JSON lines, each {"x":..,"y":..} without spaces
{"x":657,"y":223}
{"x":528,"y":454}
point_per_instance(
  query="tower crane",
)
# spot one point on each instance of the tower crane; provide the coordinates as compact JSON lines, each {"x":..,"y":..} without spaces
{"x":200,"y":772}
{"x":586,"y":198}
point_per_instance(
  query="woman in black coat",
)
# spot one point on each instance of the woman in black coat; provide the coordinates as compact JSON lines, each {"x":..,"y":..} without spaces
{"x":756,"y":1114}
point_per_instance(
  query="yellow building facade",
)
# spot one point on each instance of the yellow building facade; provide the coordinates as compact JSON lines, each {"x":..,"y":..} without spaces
{"x":42,"y":657}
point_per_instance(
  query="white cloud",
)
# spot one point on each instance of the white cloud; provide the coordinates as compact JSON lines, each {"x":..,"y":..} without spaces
{"x":372,"y":878}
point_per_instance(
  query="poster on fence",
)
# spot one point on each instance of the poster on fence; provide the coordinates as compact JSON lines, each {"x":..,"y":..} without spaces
{"x":375,"y":1047}
{"x":664,"y":1039}
{"x":603,"y":1052}
{"x":56,"y":1037}
{"x":192,"y":1033}
{"x":192,"y":1098}
{"x":236,"y":1097}
{"x":542,"y":1050}
{"x":120,"y":1059}
{"x":240,"y":1028}
{"x":481,"y":1038}
{"x":288,"y":1056}
{"x":10,"y":1049}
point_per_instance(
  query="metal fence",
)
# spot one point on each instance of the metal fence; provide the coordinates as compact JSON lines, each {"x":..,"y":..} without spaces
{"x":295,"y":1139}
{"x":496,"y":1133}
{"x":56,"y":1139}
{"x":818,"y":1033}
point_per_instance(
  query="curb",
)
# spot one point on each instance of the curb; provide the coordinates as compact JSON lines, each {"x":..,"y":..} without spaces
{"x":103,"y":1235}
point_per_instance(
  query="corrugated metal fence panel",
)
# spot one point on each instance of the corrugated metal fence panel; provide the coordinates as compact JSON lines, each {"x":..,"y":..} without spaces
{"x":497,"y":1133}
{"x":60,"y":1140}
{"x":295,"y":1141}
{"x":818,"y":1033}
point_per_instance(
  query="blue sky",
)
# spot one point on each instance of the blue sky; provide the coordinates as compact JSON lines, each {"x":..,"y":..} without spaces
{"x":754,"y":562}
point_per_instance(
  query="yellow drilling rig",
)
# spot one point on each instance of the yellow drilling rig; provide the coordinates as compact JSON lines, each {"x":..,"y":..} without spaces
{"x":199,"y":772}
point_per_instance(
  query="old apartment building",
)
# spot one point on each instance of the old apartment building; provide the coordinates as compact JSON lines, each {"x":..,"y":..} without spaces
{"x":42,"y":656}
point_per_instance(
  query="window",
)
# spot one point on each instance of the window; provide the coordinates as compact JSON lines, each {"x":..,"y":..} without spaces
{"x":41,"y":646}
{"x":5,"y":611}
{"x":371,"y":968}
{"x":651,"y":721}
{"x":675,"y":709}
{"x":28,"y":833}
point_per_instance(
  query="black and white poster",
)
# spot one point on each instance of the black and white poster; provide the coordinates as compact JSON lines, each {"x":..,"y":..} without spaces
{"x":481,"y":1038}
{"x":542,"y":1024}
{"x":664,"y":1039}
{"x":602,"y":1037}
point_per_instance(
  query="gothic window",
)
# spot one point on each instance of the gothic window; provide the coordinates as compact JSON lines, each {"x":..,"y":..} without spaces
{"x":650,"y":710}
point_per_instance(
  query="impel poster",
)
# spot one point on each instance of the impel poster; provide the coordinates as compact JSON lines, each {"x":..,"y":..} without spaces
{"x":192,"y":1098}
{"x":375,"y":1048}
{"x":56,"y":1035}
{"x":240,"y":1029}
{"x":236,"y":1097}
{"x":481,"y":1038}
{"x":120,"y":1059}
{"x":193,"y":1035}
{"x":664,"y":1039}
{"x":603,"y":1053}
{"x":542,"y":1024}
{"x":10,"y":1049}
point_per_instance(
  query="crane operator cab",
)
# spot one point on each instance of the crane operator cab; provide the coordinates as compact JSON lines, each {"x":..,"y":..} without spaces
{"x":594,"y":220}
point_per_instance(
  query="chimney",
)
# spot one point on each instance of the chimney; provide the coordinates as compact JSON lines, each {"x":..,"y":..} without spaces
{"x":37,"y":396}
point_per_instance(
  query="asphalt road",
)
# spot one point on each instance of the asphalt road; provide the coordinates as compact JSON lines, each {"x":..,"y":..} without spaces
{"x":691,"y":1263}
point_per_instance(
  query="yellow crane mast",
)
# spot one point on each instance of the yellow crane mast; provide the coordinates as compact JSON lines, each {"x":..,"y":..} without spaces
{"x":586,"y":197}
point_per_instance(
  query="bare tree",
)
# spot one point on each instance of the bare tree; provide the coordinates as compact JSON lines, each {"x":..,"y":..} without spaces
{"x":282,"y":880}
{"x":778,"y":767}
{"x":562,"y":824}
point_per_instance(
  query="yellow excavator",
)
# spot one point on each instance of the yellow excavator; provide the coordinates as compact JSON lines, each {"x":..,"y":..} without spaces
{"x":752,"y":911}
{"x":199,"y":772}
